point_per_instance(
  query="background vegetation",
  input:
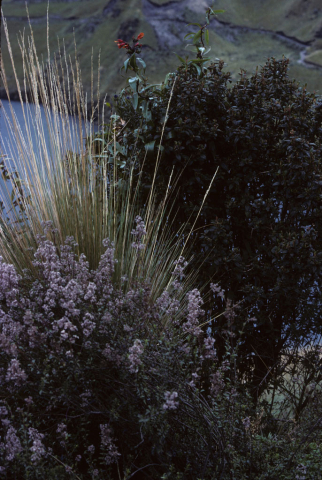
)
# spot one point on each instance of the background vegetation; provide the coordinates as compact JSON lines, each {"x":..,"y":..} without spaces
{"x":244,"y":36}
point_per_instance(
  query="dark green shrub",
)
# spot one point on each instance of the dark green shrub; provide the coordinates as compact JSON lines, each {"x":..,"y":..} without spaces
{"x":261,"y":224}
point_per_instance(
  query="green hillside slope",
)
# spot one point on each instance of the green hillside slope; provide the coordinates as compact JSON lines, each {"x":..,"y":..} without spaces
{"x":244,"y":36}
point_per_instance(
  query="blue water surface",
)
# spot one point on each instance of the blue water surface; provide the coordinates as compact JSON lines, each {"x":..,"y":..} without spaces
{"x":39,"y":132}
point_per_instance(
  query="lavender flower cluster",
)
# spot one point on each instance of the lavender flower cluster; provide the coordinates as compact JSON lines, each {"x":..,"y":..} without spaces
{"x":73,"y":348}
{"x":138,"y":232}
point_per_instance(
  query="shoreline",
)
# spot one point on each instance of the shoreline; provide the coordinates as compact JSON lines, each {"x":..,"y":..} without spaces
{"x":14,"y":97}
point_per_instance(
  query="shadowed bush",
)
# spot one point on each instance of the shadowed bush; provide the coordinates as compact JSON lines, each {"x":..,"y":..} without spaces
{"x":259,"y":232}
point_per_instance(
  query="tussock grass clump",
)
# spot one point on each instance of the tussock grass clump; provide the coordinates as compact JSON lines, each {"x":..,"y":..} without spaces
{"x":88,"y":196}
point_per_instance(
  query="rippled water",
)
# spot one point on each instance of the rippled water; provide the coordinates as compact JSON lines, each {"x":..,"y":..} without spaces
{"x":34,"y":128}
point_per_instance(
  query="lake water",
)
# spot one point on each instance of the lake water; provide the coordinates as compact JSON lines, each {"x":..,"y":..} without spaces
{"x":35,"y":130}
{"x":35,"y":116}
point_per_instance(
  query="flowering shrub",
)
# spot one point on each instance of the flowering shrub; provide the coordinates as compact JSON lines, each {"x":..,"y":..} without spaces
{"x":90,"y":379}
{"x":92,"y":383}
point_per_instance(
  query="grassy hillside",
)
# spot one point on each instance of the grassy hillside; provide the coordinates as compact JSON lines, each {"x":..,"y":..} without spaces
{"x":244,"y":36}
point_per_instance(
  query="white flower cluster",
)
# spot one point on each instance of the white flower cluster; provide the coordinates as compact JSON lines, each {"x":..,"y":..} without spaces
{"x":135,"y":353}
{"x":37,"y":448}
{"x":138,"y":233}
{"x":108,"y":445}
{"x":170,"y":401}
{"x":194,"y":312}
{"x":210,"y":351}
{"x":15,"y":372}
{"x":217,"y":290}
{"x":246,"y":423}
{"x":178,"y":274}
{"x":302,"y":472}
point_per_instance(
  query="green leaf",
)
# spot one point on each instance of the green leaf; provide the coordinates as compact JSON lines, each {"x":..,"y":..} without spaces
{"x":99,"y":140}
{"x":189,"y":35}
{"x":181,"y":59}
{"x":198,"y":24}
{"x":197,"y":37}
{"x":144,"y":420}
{"x":135,"y":101}
{"x":142,"y":62}
{"x":200,"y":60}
{"x":150,"y":86}
{"x":107,"y":104}
{"x":167,"y":77}
{"x":207,"y":37}
{"x":169,"y":135}
{"x":148,"y":115}
{"x":119,"y":148}
{"x":216,"y":11}
{"x":190,"y":47}
{"x":143,"y":107}
{"x":17,"y":181}
{"x":197,"y":68}
{"x":126,"y":64}
{"x":130,"y":62}
{"x":145,"y":110}
{"x":149,"y":147}
{"x":133,"y":81}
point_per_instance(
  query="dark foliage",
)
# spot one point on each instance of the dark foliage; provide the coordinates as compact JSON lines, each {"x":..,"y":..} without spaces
{"x":261,"y":235}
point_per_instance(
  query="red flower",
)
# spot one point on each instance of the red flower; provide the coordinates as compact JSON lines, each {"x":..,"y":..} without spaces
{"x":122,"y":44}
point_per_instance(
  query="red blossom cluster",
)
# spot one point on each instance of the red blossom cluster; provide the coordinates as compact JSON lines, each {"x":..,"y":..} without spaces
{"x":122,"y":44}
